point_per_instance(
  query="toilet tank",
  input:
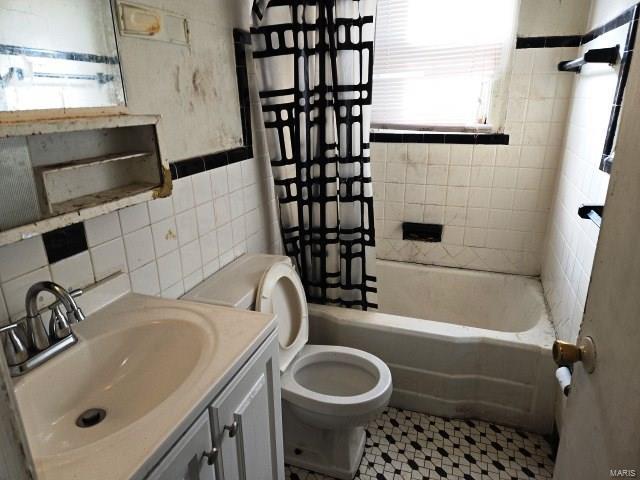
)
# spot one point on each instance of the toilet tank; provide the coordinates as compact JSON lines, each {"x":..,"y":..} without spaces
{"x":236,"y":284}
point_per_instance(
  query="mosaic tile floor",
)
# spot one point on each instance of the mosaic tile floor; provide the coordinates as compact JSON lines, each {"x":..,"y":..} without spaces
{"x":404,"y":445}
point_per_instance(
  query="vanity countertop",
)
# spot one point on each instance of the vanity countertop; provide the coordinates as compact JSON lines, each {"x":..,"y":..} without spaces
{"x":153,"y":364}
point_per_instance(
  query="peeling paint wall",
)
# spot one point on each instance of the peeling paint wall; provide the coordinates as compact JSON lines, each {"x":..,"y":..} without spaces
{"x":192,"y":87}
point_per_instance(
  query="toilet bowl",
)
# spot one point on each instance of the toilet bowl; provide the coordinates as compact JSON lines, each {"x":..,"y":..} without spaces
{"x":336,"y":387}
{"x":329,"y":393}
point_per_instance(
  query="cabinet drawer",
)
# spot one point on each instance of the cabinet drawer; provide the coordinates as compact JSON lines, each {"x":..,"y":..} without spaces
{"x":186,"y":460}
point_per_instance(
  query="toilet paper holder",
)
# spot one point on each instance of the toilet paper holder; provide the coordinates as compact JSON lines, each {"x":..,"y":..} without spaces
{"x":566,"y":354}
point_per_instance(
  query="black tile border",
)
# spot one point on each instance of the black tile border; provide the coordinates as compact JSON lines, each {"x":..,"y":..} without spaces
{"x":241,"y":39}
{"x":65,"y":242}
{"x":549,"y":42}
{"x":625,"y":17}
{"x":447,"y":138}
{"x":554,"y":41}
{"x":630,"y":15}
{"x":192,"y":166}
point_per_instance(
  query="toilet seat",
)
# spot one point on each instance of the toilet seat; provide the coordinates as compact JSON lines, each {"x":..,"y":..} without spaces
{"x":367,"y":373}
{"x":327,"y":380}
{"x":281,"y":292}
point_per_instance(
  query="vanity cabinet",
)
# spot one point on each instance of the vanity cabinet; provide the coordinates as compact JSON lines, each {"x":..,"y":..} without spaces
{"x":186,"y":461}
{"x":243,"y":417}
{"x":239,"y":435}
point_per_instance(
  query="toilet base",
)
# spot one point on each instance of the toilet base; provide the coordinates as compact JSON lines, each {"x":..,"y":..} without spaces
{"x":333,"y":452}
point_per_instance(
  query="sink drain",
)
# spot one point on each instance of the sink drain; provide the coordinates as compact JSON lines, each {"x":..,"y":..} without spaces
{"x":91,"y":417}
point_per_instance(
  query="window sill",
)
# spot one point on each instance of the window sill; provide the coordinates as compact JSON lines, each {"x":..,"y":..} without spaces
{"x":463,"y":138}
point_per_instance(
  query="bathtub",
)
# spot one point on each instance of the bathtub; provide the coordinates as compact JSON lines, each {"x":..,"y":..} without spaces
{"x":459,"y":343}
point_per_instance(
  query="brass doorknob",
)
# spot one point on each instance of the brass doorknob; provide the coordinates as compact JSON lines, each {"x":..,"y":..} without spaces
{"x":566,"y":354}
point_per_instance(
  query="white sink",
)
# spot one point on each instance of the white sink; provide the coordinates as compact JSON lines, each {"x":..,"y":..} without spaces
{"x":149,"y":364}
{"x":127,"y":372}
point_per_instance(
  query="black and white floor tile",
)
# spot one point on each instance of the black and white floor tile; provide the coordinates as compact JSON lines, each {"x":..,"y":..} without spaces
{"x":404,"y":445}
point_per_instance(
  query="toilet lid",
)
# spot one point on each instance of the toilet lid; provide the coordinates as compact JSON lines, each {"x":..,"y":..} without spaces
{"x":281,"y":292}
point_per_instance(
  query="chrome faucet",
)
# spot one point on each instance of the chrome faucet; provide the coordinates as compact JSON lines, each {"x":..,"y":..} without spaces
{"x":37,"y":334}
{"x":29,"y":345}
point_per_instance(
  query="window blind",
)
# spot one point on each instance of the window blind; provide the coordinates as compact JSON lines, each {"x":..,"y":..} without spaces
{"x":436,"y":61}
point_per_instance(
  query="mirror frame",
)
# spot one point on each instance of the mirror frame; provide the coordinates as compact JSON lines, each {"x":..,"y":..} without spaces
{"x":65,"y":113}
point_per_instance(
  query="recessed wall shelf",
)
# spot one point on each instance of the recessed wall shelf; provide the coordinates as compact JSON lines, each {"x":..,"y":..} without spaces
{"x":89,"y":182}
{"x":64,"y":171}
{"x":597,"y":55}
{"x":592,"y":212}
{"x":422,"y":232}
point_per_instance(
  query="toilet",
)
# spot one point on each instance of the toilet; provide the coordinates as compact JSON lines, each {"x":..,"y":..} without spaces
{"x":329,"y":393}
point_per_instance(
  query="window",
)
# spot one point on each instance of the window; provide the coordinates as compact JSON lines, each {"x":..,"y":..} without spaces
{"x":438,"y":63}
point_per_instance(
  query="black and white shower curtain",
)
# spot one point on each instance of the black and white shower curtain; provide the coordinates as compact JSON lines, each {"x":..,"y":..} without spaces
{"x":314,"y":63}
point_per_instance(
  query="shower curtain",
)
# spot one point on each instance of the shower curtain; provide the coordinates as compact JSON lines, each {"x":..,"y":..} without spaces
{"x":314,"y":62}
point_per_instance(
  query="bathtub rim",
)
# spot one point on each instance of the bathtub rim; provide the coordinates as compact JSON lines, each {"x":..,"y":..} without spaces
{"x":540,"y":336}
{"x":409,"y":264}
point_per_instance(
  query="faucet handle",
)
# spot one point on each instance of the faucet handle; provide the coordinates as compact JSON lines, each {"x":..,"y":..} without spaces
{"x":77,"y":315}
{"x":15,"y":348}
{"x":11,"y":326}
{"x":58,"y":324}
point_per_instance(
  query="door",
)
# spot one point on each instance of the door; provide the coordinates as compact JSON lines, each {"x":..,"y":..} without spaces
{"x":188,"y":460}
{"x":600,"y":437}
{"x":245,"y":446}
{"x":247,"y":424}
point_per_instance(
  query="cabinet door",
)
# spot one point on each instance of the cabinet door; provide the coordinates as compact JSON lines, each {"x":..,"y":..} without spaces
{"x":247,"y":423}
{"x":187,"y":459}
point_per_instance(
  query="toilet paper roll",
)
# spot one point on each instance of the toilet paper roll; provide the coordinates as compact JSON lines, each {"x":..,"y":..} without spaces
{"x":563,"y":374}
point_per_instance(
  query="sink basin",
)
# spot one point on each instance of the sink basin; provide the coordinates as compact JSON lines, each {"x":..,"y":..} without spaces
{"x":153,"y":365}
{"x":126,"y":371}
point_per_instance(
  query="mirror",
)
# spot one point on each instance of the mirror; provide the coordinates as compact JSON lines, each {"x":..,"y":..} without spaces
{"x":58,"y":54}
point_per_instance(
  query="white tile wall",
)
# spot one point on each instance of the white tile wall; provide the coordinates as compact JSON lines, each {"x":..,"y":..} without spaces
{"x":161,"y":252}
{"x":169,"y":269}
{"x":73,"y":272}
{"x":187,"y":225}
{"x":182,"y":195}
{"x":201,"y":188}
{"x":492,"y":200}
{"x":108,"y":258}
{"x":134,"y":217}
{"x":190,"y":257}
{"x":22,"y":257}
{"x":145,"y":279}
{"x":571,"y":240}
{"x":160,"y":209}
{"x":138,"y":246}
{"x":165,"y":236}
{"x":101,"y":229}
